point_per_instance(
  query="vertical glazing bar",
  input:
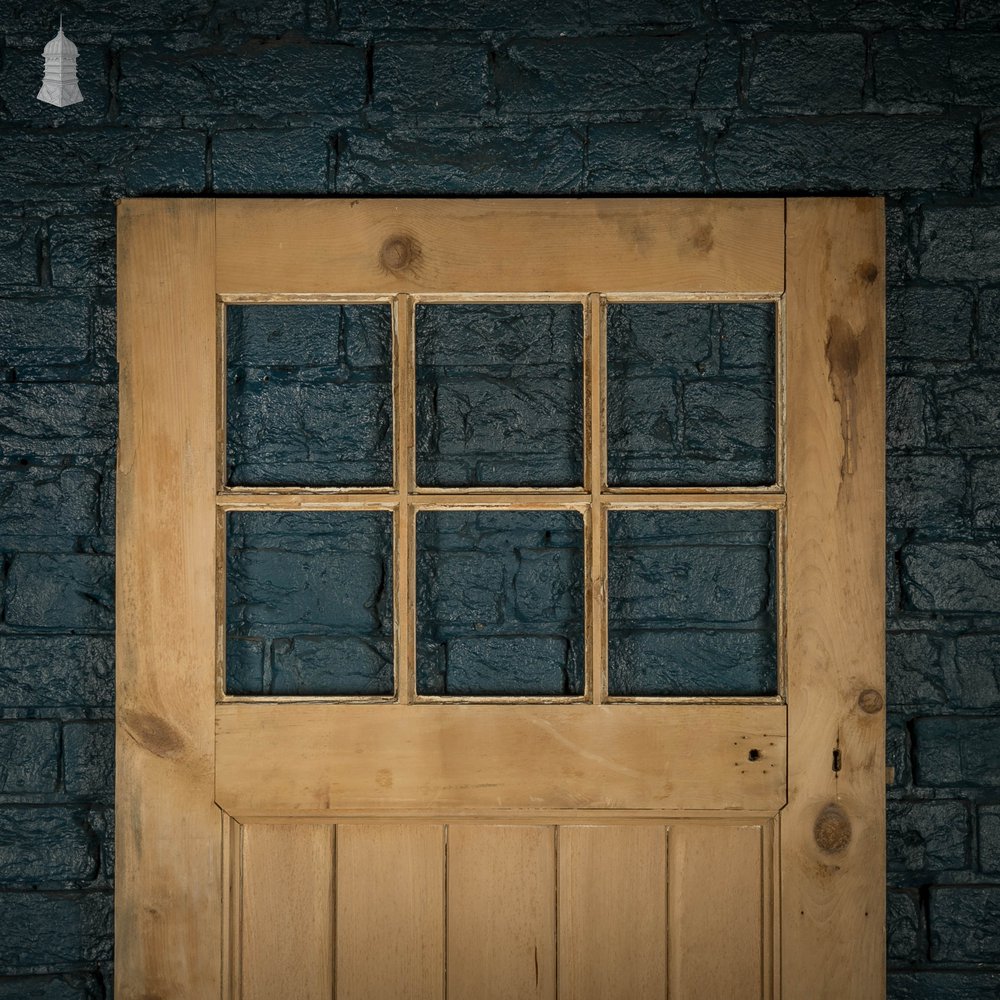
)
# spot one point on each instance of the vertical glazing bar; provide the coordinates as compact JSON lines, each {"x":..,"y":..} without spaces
{"x":597,"y":681}
{"x":404,"y":451}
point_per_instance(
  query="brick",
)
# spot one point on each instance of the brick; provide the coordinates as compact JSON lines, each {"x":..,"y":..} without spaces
{"x":435,"y":159}
{"x":812,"y":13}
{"x":45,"y":503}
{"x":70,"y":987}
{"x":952,"y":577}
{"x":19,"y":252}
{"x":548,"y":584}
{"x":329,"y":666}
{"x":82,"y":251}
{"x":920,"y":670}
{"x":988,"y":340}
{"x":930,"y":324}
{"x":965,"y":923}
{"x":258,"y":161}
{"x":29,"y":756}
{"x":977,"y":663}
{"x":617,"y":74}
{"x":861,"y":153}
{"x":57,"y":419}
{"x":927,"y":492}
{"x":89,"y":758}
{"x":422,"y":77}
{"x":471,"y":15}
{"x":898,"y":751}
{"x":691,"y":661}
{"x":807,"y":73}
{"x":643,"y":13}
{"x":966,"y":412}
{"x":49,"y":331}
{"x":986,"y":494}
{"x":972,"y":984}
{"x":953,"y":751}
{"x":48,"y":932}
{"x":74,"y":591}
{"x":961,"y":243}
{"x":989,"y":839}
{"x":928,"y":837}
{"x":906,"y":403}
{"x":280,"y":78}
{"x":56,"y":671}
{"x":953,"y":68}
{"x":461,"y":588}
{"x":166,"y":161}
{"x":46,"y":847}
{"x":989,"y":140}
{"x":904,"y":926}
{"x":655,"y":157}
{"x":523,"y":665}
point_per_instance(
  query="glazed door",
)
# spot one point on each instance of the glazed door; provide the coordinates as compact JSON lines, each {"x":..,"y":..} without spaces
{"x":500,"y":599}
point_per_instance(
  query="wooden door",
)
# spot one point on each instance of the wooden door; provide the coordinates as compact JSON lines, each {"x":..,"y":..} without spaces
{"x":606,"y":835}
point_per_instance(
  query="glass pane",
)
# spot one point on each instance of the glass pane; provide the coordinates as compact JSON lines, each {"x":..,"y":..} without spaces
{"x":309,"y":395}
{"x":500,"y":603}
{"x":309,"y":603}
{"x":691,"y":394}
{"x":691,"y":603}
{"x":499,"y":395}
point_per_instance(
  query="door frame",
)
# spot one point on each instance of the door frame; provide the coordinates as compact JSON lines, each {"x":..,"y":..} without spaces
{"x":177,"y":256}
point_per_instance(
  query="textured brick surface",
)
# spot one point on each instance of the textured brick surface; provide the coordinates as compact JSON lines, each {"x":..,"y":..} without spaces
{"x":309,"y":603}
{"x":897,"y":97}
{"x":500,"y":603}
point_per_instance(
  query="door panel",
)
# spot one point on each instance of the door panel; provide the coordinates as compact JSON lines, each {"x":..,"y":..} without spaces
{"x":513,"y":824}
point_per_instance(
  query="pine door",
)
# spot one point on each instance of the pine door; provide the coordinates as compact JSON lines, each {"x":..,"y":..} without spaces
{"x":500,"y":599}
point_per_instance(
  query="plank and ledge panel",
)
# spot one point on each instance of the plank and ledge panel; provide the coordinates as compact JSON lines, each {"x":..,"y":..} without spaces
{"x":302,"y":759}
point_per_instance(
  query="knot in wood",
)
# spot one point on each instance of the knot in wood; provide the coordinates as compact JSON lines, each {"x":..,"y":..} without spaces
{"x":399,"y":253}
{"x":832,"y":830}
{"x":870,"y":701}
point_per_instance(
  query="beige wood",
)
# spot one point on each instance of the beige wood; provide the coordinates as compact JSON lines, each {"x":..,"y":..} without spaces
{"x":390,"y":911}
{"x":287,"y":912}
{"x":832,"y":833}
{"x":501,"y":912}
{"x":404,"y":462}
{"x":323,"y":758}
{"x":612,"y":912}
{"x":717,"y":905}
{"x":514,"y":245}
{"x":168,"y":913}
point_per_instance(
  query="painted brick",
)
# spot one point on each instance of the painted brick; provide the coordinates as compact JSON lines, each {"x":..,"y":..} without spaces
{"x":89,"y":758}
{"x":812,"y":13}
{"x":29,"y":756}
{"x":61,"y":592}
{"x":655,"y":157}
{"x":898,"y":750}
{"x":57,"y":671}
{"x":930,"y":324}
{"x":644,"y":13}
{"x":989,"y":839}
{"x":952,"y":577}
{"x":329,"y":665}
{"x":965,"y":923}
{"x":977,"y":663}
{"x":82,"y":251}
{"x":40,"y":331}
{"x":928,"y":491}
{"x":955,"y":750}
{"x":272,"y":79}
{"x":46,"y":847}
{"x":928,"y":836}
{"x":920,"y":670}
{"x":51,"y":932}
{"x":617,"y":74}
{"x":809,"y":73}
{"x":930,"y":985}
{"x":472,"y":15}
{"x":69,"y":987}
{"x":19,"y":252}
{"x":45,"y":502}
{"x":986,"y":494}
{"x":251,"y":161}
{"x":56,"y":419}
{"x":865,"y":153}
{"x":424,"y":77}
{"x":989,"y":137}
{"x":166,"y":161}
{"x":989,"y":327}
{"x":966,"y":411}
{"x":937,"y":68}
{"x":904,"y":926}
{"x":435,"y":159}
{"x":961,"y":243}
{"x":522,"y":665}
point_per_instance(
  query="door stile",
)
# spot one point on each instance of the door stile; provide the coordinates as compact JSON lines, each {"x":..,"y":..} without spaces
{"x":833,"y":829}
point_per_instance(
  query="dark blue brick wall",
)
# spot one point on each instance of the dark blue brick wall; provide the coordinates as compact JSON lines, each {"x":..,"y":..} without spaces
{"x":897,"y":97}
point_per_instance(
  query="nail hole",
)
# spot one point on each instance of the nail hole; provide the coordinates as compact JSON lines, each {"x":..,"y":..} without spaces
{"x":753,"y":755}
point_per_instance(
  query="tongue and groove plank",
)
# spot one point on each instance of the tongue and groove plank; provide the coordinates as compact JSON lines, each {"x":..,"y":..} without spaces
{"x":517,"y":245}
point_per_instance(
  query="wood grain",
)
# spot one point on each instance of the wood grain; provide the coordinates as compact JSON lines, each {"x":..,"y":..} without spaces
{"x":321,"y":758}
{"x":501,"y":912}
{"x":833,"y":832}
{"x":612,"y":912}
{"x":514,"y":245}
{"x":168,"y":830}
{"x":390,"y":911}
{"x":287,"y":912}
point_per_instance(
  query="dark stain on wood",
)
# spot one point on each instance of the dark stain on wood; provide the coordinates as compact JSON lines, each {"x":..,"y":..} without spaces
{"x":154,"y":734}
{"x":832,"y":830}
{"x":843,"y":358}
{"x":703,"y":238}
{"x":868,"y":272}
